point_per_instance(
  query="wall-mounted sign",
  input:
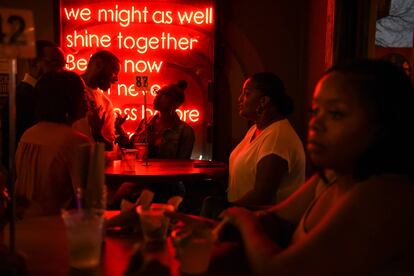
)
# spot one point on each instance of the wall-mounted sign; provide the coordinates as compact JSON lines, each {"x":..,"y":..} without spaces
{"x":17,"y":33}
{"x":165,"y":41}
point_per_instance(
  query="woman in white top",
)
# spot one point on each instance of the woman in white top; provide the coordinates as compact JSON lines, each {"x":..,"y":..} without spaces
{"x":361,"y":221}
{"x":269,"y":163}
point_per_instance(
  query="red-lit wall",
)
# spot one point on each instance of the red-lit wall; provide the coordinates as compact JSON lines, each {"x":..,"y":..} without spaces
{"x":164,"y":41}
{"x":285,"y":37}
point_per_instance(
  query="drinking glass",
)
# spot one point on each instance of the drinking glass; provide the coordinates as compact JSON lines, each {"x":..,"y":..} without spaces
{"x":193,"y":249}
{"x":129,"y":157}
{"x":153,"y":221}
{"x":142,"y":149}
{"x":84,"y":232}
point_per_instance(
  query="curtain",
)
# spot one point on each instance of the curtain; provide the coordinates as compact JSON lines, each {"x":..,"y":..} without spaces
{"x":352,"y":29}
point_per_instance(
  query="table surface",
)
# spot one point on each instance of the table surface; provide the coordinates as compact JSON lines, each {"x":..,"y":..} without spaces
{"x":167,"y":170}
{"x":43,"y":242}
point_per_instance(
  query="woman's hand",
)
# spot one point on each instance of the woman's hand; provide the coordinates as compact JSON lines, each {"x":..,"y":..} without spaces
{"x":122,"y":138}
{"x":241,"y":218}
{"x":119,"y":121}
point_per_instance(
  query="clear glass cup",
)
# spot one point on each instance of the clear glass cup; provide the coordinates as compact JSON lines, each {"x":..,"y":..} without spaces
{"x":193,"y":249}
{"x":154,"y":223}
{"x":129,"y":158}
{"x":84,"y":228}
{"x":142,"y":149}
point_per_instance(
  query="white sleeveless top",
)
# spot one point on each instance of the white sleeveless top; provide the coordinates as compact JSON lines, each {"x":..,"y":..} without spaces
{"x":278,"y":138}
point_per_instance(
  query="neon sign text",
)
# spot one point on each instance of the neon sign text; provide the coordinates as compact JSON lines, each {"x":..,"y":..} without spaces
{"x":129,"y":66}
{"x":163,"y":41}
{"x":133,"y":113}
{"x":126,"y":17}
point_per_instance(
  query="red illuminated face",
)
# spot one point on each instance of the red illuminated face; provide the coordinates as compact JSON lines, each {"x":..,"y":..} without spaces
{"x":249,"y":100}
{"x":163,"y":102}
{"x":107,"y":75}
{"x":341,"y":127}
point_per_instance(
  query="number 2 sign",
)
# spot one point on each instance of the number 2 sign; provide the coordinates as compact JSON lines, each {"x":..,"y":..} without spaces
{"x":17,"y":34}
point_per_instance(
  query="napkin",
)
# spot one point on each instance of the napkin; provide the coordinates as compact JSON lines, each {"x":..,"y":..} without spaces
{"x":175,"y":201}
{"x":144,"y":199}
{"x":128,"y":215}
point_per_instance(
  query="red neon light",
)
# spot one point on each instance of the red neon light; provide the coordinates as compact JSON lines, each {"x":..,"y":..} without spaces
{"x":134,"y":114}
{"x":142,"y":44}
{"x":126,"y":17}
{"x":164,"y":40}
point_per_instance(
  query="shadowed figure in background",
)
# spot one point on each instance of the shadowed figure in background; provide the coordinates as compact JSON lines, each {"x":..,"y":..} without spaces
{"x":360,"y":221}
{"x":101,"y":73}
{"x":49,"y":58}
{"x":45,"y":154}
{"x":269,"y":163}
{"x":168,"y":138}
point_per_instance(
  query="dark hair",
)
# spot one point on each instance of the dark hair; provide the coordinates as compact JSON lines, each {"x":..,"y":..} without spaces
{"x":272,"y":86}
{"x":389,"y":91}
{"x":176,"y":91}
{"x":41,"y":45}
{"x":40,"y":52}
{"x":58,"y":97}
{"x":107,"y":57}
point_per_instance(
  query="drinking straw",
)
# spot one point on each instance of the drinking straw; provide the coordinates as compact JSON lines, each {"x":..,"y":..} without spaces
{"x":78,"y":196}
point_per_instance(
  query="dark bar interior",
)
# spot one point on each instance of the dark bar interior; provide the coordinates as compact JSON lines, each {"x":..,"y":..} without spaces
{"x":208,"y":137}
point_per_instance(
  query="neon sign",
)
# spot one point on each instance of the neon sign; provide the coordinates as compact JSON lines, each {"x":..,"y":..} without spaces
{"x":164,"y":40}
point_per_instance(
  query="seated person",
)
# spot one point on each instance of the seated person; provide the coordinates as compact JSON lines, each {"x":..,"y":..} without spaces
{"x":168,"y":138}
{"x":44,"y":157}
{"x":269,"y":163}
{"x":359,"y":222}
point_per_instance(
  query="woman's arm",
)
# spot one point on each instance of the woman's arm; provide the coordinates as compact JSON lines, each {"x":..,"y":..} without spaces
{"x":293,"y":208}
{"x":367,"y":227}
{"x":280,"y":221}
{"x":269,"y":173}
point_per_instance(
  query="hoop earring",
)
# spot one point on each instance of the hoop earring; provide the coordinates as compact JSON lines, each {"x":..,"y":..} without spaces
{"x":260,"y":110}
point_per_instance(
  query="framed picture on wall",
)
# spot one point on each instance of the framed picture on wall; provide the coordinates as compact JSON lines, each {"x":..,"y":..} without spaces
{"x":394,"y":32}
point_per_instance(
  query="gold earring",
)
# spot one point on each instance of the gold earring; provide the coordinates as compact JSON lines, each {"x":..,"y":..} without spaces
{"x":259,"y":109}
